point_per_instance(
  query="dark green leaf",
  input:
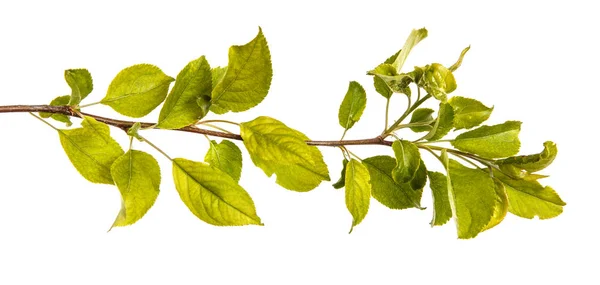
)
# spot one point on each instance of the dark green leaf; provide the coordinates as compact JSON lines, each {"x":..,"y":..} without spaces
{"x":418,"y":182}
{"x":276,"y":148}
{"x":59,"y":101}
{"x":413,"y":39}
{"x":438,"y":81}
{"x":137,"y":90}
{"x":442,"y":212}
{"x":358,"y":191}
{"x":80,"y":81}
{"x":472,"y":197}
{"x":457,"y":64}
{"x":212,"y":195}
{"x":352,"y":106}
{"x":407,"y":161}
{"x":528,"y":199}
{"x":468,"y":112}
{"x":523,"y":165}
{"x":137,"y":175}
{"x":91,"y":150}
{"x":225,"y":156}
{"x":247,"y":79}
{"x":387,"y":191}
{"x":421,"y":116}
{"x":342,"y":181}
{"x":491,"y":141}
{"x":181,"y":108}
{"x":444,"y":124}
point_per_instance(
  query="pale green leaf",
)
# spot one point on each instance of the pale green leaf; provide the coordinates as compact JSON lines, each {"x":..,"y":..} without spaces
{"x":134,"y":131}
{"x":225,"y":156}
{"x":387,"y":191}
{"x":457,"y":64}
{"x":212,"y":195}
{"x":91,"y":150}
{"x":442,"y":211}
{"x":247,"y":79}
{"x":472,"y":197}
{"x":495,"y":141}
{"x":59,"y":101}
{"x":137,"y":90}
{"x":413,"y":39}
{"x":358,"y":191}
{"x":408,"y":159}
{"x":137,"y":175}
{"x":438,"y":81}
{"x":353,"y":105}
{"x":522,"y":166}
{"x":80,"y":81}
{"x":443,"y":124}
{"x":421,"y":116}
{"x":342,"y":181}
{"x":468,"y":112}
{"x":528,"y":199}
{"x":276,"y":148}
{"x":181,"y":107}
{"x":501,"y":207}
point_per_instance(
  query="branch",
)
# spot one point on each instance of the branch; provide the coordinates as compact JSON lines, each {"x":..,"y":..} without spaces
{"x":125,"y":125}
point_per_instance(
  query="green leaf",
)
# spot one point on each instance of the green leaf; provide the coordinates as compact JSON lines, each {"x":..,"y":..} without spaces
{"x":80,"y":81}
{"x":137,"y":175}
{"x":276,"y":148}
{"x":528,"y":199}
{"x":137,"y":90}
{"x":217,"y":75}
{"x":342,"y":181}
{"x":212,"y":195}
{"x":443,"y":124}
{"x":442,"y":211}
{"x":388,"y":192}
{"x":413,"y":39}
{"x":438,"y":81}
{"x":225,"y":156}
{"x":381,"y":87}
{"x":523,"y":165}
{"x":495,"y":141}
{"x":418,"y":182}
{"x":408,"y":159}
{"x":59,"y":101}
{"x":91,"y":150}
{"x":352,"y":106}
{"x":358,"y":191}
{"x":472,"y":197}
{"x":181,"y":108}
{"x":134,"y":131}
{"x":501,"y":207}
{"x":421,"y":116}
{"x":468,"y":112}
{"x":457,"y":64}
{"x":247,"y":79}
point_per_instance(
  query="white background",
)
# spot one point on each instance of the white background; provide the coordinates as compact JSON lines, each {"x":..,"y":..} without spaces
{"x":534,"y":61}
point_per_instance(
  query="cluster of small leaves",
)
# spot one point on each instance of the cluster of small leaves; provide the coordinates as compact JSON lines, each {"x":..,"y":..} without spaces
{"x":477,"y":197}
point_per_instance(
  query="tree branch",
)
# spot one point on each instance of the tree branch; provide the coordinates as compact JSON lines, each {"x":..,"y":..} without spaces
{"x":125,"y":125}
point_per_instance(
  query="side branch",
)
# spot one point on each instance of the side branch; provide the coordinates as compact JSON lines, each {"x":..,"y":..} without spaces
{"x":125,"y":125}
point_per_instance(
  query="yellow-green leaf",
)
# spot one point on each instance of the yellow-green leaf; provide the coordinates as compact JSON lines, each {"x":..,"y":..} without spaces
{"x":458,"y":62}
{"x":353,"y":105}
{"x":276,"y":148}
{"x":91,"y":150}
{"x":181,"y":107}
{"x":523,"y":165}
{"x":421,"y":116}
{"x":413,"y":39}
{"x":408,"y":159}
{"x":80,"y":81}
{"x":358,"y":191}
{"x":529,"y":199}
{"x":225,"y":156}
{"x":137,"y":175}
{"x":217,"y":75}
{"x":442,"y":211}
{"x":438,"y":81}
{"x":212,"y":195}
{"x":59,"y":101}
{"x":384,"y":189}
{"x":137,"y":90}
{"x":468,"y":112}
{"x":495,"y":141}
{"x":247,"y":79}
{"x":501,"y":207}
{"x":443,"y":124}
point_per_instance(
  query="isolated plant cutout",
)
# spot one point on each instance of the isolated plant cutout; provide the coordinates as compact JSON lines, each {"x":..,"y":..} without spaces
{"x":483,"y":180}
